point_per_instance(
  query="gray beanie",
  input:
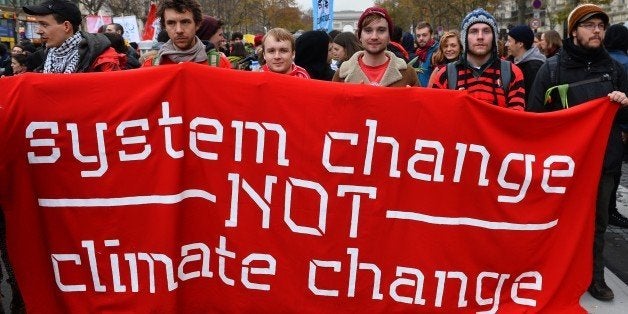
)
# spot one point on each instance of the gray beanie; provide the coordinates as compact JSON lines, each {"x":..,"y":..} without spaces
{"x":478,"y":16}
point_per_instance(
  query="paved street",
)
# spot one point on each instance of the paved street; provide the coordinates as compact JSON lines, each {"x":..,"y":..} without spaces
{"x":616,"y":257}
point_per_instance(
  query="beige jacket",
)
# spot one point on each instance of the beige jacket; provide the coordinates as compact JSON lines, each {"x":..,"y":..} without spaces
{"x":398,"y":73}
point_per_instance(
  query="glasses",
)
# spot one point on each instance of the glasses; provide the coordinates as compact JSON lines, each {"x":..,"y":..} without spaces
{"x":592,"y":26}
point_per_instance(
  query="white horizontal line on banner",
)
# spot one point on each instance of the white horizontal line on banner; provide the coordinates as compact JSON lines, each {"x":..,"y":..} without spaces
{"x":466,"y":221}
{"x":126,"y":201}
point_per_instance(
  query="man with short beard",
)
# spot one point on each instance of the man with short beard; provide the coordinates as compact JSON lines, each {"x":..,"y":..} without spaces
{"x":375,"y":65}
{"x":181,"y":19}
{"x":585,"y":62}
{"x":479,"y":70}
{"x":426,"y":46}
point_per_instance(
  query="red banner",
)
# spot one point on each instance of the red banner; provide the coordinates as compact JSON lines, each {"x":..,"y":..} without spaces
{"x":195,"y":189}
{"x":149,"y":27}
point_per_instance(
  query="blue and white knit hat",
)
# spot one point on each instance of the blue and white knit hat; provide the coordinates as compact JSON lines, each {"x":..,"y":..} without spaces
{"x":478,"y":15}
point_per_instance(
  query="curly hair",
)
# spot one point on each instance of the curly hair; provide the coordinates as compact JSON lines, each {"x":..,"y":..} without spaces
{"x":180,"y":6}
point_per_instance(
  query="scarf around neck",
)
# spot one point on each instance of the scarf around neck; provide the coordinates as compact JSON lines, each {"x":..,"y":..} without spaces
{"x":195,"y":54}
{"x":421,"y":52}
{"x":64,"y":59}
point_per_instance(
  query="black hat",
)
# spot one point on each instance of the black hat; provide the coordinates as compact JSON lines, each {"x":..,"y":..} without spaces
{"x":68,"y":10}
{"x":522,"y":33}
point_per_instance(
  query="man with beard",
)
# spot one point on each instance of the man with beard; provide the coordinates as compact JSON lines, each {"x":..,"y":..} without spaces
{"x":591,"y":73}
{"x":479,"y":70}
{"x":426,"y":44}
{"x":375,"y":65}
{"x":181,"y":19}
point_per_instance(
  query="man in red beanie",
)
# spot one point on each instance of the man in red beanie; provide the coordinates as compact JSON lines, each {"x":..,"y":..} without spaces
{"x":589,"y":72}
{"x":375,"y":65}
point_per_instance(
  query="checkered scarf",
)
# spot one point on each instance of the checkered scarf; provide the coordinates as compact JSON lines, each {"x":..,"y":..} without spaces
{"x":65,"y":58}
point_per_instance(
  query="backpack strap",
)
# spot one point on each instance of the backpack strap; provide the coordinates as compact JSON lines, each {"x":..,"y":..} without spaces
{"x":452,"y":75}
{"x":506,"y":75}
{"x":552,"y":64}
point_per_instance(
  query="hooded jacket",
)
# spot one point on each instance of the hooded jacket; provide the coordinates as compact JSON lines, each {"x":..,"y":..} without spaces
{"x":311,"y":54}
{"x":530,"y":63}
{"x":96,"y":54}
{"x":397,"y":74}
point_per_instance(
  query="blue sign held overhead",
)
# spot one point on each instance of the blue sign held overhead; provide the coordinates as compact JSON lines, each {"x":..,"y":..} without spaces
{"x":323,"y":15}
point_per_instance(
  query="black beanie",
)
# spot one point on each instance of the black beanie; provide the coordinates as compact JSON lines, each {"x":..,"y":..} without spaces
{"x":523,"y":34}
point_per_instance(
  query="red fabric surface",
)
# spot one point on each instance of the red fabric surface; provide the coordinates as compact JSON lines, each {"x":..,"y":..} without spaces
{"x":182,"y":159}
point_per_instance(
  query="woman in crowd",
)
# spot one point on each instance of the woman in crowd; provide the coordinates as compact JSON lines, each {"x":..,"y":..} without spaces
{"x":449,"y":50}
{"x":344,"y":46}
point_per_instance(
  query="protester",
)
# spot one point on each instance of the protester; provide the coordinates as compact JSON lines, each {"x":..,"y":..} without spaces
{"x":345,"y":45}
{"x":132,"y":57}
{"x":17,"y":50}
{"x":537,"y":39}
{"x":180,"y":19}
{"x":449,"y":49}
{"x":408,"y":43}
{"x":480,"y":71}
{"x":5,"y":61}
{"x":238,"y":53}
{"x":114,"y":28}
{"x":426,"y":46}
{"x":311,"y":54}
{"x":395,"y":44}
{"x":117,"y":43}
{"x":18,"y":64}
{"x":584,"y":61}
{"x":278,"y":47}
{"x":528,"y":58}
{"x":68,"y":49}
{"x":210,"y":31}
{"x":551,"y":43}
{"x":616,"y":43}
{"x":375,"y":65}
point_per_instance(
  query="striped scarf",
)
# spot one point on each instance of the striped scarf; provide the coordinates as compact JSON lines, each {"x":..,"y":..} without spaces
{"x":65,"y":58}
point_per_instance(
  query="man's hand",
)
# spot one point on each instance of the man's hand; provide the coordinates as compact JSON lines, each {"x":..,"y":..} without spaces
{"x":619,"y":97}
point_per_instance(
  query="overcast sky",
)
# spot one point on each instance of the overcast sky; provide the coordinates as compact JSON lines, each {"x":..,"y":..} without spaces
{"x":339,"y":5}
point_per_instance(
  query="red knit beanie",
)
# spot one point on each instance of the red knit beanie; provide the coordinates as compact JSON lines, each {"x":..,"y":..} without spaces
{"x":375,"y":11}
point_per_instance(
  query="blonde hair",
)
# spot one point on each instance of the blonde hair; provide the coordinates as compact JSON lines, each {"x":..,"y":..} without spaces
{"x":280,"y":34}
{"x":439,"y":56}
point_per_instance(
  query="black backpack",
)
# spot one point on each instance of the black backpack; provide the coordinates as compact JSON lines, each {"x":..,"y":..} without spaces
{"x":562,"y":89}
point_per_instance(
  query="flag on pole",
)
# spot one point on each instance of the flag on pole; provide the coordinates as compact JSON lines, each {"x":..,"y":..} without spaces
{"x":149,"y":26}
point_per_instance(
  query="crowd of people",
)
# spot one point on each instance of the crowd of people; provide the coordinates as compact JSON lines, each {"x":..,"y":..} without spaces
{"x":513,"y":73}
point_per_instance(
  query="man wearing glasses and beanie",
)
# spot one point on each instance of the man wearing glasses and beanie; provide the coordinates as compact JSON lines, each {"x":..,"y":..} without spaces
{"x":592,"y":73}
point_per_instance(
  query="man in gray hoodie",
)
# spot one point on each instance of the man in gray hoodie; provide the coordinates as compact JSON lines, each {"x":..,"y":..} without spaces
{"x":529,"y":59}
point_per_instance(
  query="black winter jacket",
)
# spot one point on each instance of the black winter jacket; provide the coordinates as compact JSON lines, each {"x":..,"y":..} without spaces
{"x":574,"y":65}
